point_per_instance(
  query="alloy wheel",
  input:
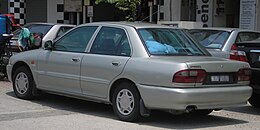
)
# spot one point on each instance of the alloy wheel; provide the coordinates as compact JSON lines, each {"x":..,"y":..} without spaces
{"x":21,"y":83}
{"x":125,"y":102}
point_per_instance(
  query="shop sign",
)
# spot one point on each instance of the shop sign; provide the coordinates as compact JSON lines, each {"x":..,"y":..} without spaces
{"x":90,"y":11}
{"x":204,"y":12}
{"x":73,"y":5}
{"x":247,"y":14}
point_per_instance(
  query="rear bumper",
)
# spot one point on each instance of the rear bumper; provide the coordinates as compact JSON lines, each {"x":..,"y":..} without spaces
{"x":156,"y":97}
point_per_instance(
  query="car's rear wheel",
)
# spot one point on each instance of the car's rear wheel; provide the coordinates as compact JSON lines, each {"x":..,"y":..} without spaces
{"x":126,"y":102}
{"x":254,"y":100}
{"x":23,"y":83}
{"x":2,"y":75}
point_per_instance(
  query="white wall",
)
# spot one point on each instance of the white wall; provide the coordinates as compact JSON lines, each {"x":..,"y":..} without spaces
{"x":219,"y":20}
{"x":176,"y":10}
{"x":52,"y":14}
{"x":258,"y":15}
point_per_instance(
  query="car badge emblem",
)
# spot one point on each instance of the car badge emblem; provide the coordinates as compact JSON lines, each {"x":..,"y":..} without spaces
{"x":221,"y":66}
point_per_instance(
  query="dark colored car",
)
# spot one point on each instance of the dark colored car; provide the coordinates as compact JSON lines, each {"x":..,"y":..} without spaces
{"x":252,"y":50}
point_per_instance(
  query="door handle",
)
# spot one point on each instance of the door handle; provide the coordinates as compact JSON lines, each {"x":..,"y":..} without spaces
{"x":75,"y":59}
{"x":116,"y":63}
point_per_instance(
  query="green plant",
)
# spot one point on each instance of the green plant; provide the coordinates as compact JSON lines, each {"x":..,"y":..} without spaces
{"x":129,"y":7}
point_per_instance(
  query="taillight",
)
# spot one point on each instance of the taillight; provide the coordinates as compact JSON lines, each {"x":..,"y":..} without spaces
{"x":189,"y":76}
{"x":237,"y":55}
{"x":244,"y":74}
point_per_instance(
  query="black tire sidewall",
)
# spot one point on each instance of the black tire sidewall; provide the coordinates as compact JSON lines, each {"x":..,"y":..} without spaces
{"x":28,"y":94}
{"x":254,"y":100}
{"x":135,"y":114}
{"x":2,"y":78}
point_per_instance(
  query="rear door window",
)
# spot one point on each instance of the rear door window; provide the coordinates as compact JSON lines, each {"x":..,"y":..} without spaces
{"x":111,"y":41}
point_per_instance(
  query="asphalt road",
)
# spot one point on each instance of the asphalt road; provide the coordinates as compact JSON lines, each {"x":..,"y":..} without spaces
{"x":51,"y":112}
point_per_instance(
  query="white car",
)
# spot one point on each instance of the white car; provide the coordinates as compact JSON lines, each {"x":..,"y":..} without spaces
{"x":49,"y":31}
{"x":135,"y":67}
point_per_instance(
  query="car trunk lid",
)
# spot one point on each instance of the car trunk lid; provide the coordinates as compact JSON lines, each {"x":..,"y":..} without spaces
{"x":218,"y":53}
{"x":209,"y":63}
{"x":219,"y":71}
{"x":252,"y":50}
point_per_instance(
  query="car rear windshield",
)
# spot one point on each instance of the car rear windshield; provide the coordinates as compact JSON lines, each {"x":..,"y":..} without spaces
{"x":166,"y":41}
{"x":211,"y":39}
{"x":35,"y":28}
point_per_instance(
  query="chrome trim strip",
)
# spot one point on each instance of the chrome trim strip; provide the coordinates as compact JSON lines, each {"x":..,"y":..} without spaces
{"x":256,"y":51}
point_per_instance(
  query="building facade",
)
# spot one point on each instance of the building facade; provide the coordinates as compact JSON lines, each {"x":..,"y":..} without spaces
{"x":32,"y":10}
{"x":216,"y":13}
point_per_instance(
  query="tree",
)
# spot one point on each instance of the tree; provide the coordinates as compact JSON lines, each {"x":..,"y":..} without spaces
{"x":129,"y":7}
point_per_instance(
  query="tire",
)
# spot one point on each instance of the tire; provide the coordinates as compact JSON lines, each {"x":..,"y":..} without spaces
{"x":201,"y":112}
{"x":23,"y":83}
{"x":2,"y":77}
{"x":126,"y":102}
{"x":254,"y":100}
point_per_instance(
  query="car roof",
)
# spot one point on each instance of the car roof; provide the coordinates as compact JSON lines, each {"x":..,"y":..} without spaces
{"x":225,"y":29}
{"x":131,"y":24}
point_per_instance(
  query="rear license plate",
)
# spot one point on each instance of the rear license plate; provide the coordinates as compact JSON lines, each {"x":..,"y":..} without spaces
{"x":220,"y":78}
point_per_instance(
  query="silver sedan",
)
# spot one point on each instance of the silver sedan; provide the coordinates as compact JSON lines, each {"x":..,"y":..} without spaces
{"x":135,"y":67}
{"x":222,"y":42}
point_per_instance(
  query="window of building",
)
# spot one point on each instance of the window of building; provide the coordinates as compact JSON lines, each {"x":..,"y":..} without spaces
{"x":60,"y":21}
{"x":161,"y":16}
{"x":161,"y":2}
{"x":188,"y":10}
{"x":60,"y":7}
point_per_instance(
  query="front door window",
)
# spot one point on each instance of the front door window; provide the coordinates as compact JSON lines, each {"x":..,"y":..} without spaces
{"x":75,"y":41}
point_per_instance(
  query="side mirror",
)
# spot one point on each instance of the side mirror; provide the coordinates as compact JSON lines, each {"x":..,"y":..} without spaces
{"x":48,"y":45}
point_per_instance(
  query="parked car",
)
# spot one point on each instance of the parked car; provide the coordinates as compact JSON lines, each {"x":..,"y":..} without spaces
{"x":221,"y":42}
{"x":252,"y":50}
{"x":49,"y":31}
{"x":234,"y":44}
{"x":136,"y":67}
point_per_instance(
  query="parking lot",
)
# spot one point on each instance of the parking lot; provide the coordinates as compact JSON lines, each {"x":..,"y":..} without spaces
{"x":57,"y":112}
